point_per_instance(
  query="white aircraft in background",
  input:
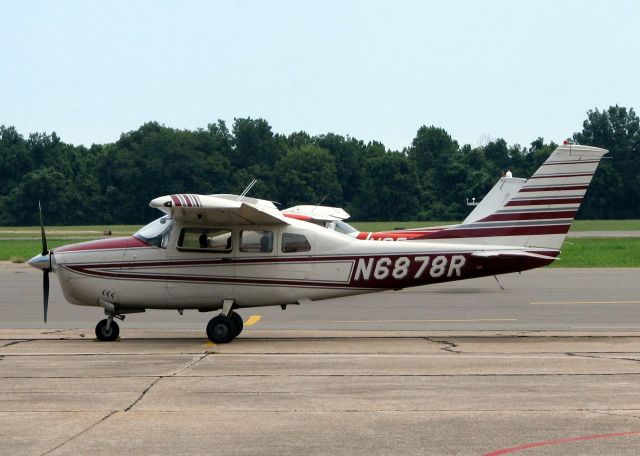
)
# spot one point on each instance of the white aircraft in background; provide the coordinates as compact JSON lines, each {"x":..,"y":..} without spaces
{"x":229,"y":252}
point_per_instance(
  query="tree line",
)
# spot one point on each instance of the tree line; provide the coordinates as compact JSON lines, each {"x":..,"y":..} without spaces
{"x":429,"y":180}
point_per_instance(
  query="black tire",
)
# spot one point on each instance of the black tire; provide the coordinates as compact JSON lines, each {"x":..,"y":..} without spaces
{"x":237,"y":320}
{"x":104,"y":335}
{"x":221,"y":330}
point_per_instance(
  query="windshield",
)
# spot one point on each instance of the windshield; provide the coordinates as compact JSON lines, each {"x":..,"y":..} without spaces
{"x":156,"y":233}
{"x":345,"y":228}
{"x":338,"y":226}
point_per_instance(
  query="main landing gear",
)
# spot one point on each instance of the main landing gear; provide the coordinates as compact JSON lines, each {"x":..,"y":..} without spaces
{"x":223,"y":329}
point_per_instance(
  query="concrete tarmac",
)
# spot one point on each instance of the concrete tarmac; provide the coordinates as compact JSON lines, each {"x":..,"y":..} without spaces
{"x":541,"y":299}
{"x":550,"y":365}
{"x":319,"y":392}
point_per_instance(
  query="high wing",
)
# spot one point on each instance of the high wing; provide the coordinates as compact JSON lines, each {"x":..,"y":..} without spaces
{"x":319,"y":213}
{"x":219,"y":209}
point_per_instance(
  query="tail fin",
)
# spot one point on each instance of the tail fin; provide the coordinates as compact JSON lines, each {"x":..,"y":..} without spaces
{"x":503,"y":191}
{"x":540,"y":213}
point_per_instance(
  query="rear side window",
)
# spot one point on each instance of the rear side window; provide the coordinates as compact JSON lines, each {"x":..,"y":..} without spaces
{"x":205,"y":239}
{"x":256,"y":241}
{"x":292,"y":242}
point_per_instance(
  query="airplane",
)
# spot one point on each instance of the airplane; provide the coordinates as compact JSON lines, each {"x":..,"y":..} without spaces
{"x":230,"y":252}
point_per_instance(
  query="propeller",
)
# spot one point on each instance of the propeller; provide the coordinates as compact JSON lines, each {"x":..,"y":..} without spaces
{"x":46,"y":270}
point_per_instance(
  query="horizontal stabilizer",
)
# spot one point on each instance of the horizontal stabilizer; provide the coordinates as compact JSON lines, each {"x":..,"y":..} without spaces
{"x":511,"y":254}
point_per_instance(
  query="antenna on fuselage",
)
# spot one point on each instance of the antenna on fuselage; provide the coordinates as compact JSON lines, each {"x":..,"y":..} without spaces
{"x":320,"y":202}
{"x":246,"y":190}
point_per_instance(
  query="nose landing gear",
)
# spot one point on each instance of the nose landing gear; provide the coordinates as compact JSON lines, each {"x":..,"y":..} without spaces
{"x":107,"y":330}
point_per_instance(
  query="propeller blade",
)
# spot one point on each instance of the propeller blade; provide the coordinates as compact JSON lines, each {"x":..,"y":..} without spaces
{"x":44,"y":237}
{"x":45,"y":290}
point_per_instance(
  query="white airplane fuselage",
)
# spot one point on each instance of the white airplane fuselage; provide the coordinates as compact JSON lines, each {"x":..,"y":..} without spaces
{"x":132,"y":274}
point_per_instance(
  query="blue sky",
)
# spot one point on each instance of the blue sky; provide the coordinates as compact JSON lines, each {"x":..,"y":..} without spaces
{"x":374,"y":70}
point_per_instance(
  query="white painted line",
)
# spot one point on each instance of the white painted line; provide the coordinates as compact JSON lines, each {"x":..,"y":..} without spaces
{"x":580,"y":303}
{"x":407,"y":321}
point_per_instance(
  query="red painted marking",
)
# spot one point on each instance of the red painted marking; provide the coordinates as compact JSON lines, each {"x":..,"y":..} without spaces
{"x":298,"y":216}
{"x":530,"y":216}
{"x":547,"y":176}
{"x":573,"y":162}
{"x":551,"y":189}
{"x":543,"y":202}
{"x":559,"y":442}
{"x":102,"y":244}
{"x":456,"y":233}
{"x":176,"y":200}
{"x":395,"y":235}
{"x":188,"y":200}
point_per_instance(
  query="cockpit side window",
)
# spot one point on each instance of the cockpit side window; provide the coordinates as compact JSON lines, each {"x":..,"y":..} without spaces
{"x":292,"y":242}
{"x":206,"y":239}
{"x":256,"y":241}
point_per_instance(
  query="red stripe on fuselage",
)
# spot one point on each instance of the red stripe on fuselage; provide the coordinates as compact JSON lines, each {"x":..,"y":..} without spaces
{"x":456,"y":233}
{"x":471,"y":267}
{"x":103,"y":244}
{"x":176,"y":200}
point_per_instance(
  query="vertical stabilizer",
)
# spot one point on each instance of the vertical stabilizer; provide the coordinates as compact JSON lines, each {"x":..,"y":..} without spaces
{"x":541,"y":212}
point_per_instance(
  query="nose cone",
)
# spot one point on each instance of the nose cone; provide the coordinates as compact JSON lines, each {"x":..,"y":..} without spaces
{"x":40,"y":261}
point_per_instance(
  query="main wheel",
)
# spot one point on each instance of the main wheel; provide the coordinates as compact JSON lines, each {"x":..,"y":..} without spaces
{"x":104,"y":334}
{"x":237,"y":320}
{"x":221,"y":329}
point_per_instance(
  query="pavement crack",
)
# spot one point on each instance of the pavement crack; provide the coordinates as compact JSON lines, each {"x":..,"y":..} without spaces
{"x":160,"y":377}
{"x":146,"y":390}
{"x":611,"y":358}
{"x":75,"y":436}
{"x":55,"y":331}
{"x":191,"y":364}
{"x":600,"y":412}
{"x":15,"y":342}
{"x":449,"y":346}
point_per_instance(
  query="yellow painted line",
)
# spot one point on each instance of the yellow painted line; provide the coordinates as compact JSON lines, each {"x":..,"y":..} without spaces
{"x":252,"y":320}
{"x":412,"y":321}
{"x":580,"y":303}
{"x":211,"y":344}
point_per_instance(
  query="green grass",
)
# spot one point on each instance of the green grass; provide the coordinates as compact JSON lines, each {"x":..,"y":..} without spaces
{"x":95,"y":231}
{"x":605,"y":225}
{"x":20,"y":250}
{"x":62,"y":232}
{"x":576,"y":252}
{"x":578,"y":225}
{"x":599,"y":253}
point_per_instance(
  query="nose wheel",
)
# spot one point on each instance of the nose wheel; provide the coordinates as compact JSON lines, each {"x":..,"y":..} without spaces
{"x":107,"y":330}
{"x":223,"y":329}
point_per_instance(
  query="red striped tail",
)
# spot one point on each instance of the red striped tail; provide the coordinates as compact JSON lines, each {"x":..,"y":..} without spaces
{"x":540,"y":213}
